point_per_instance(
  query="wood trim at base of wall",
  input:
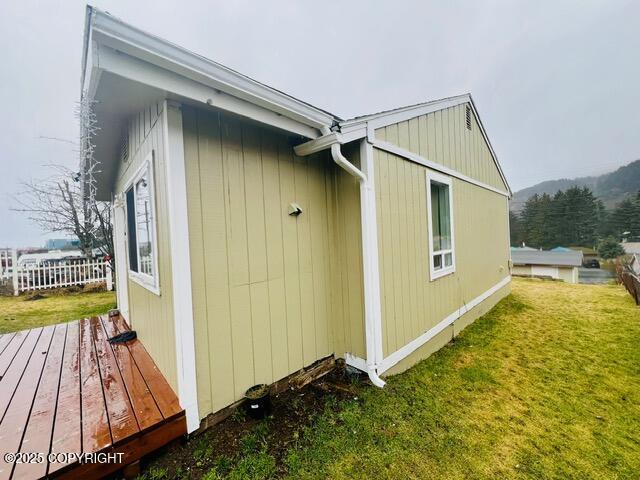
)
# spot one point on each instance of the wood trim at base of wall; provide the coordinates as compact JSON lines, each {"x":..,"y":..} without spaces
{"x":295,"y":381}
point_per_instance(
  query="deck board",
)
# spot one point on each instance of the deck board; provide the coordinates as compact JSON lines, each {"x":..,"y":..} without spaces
{"x":5,"y":340}
{"x":68,"y":390}
{"x":13,"y":375}
{"x":160,"y":388}
{"x":67,"y":431}
{"x":144,"y":405}
{"x":37,"y":436}
{"x":7,"y":355}
{"x":96,"y":433}
{"x":16,"y":416}
{"x":122,"y":420}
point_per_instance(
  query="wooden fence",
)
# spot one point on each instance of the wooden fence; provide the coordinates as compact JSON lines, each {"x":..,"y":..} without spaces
{"x":52,"y":273}
{"x":630,"y":280}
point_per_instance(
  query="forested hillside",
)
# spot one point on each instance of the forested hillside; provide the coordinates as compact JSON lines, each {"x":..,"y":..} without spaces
{"x":573,"y":217}
{"x":611,"y":188}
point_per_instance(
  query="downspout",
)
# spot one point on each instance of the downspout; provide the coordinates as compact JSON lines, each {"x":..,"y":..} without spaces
{"x":367,"y":209}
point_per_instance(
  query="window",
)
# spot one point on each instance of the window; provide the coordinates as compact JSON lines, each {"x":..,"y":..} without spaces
{"x":440,"y":213}
{"x":141,"y":227}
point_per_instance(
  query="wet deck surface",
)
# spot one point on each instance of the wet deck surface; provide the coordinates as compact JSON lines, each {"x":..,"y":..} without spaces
{"x":64,"y":389}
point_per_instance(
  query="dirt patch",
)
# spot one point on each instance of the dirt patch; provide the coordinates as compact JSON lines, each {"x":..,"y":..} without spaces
{"x":222,"y":445}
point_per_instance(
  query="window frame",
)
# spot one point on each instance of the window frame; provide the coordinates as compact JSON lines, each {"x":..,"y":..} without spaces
{"x":443,"y":271}
{"x":150,"y":282}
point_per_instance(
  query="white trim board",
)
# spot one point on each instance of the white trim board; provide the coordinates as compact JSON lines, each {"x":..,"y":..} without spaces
{"x":119,"y":35}
{"x":412,"y":346}
{"x":414,"y":157}
{"x":180,"y":263}
{"x":148,"y":282}
{"x":368,"y":124}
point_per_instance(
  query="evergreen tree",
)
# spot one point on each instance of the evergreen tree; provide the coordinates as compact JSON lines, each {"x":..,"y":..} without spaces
{"x":571,"y":217}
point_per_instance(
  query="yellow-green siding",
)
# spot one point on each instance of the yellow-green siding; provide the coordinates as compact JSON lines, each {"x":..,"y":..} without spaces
{"x":152,"y":315}
{"x":443,"y":137}
{"x":412,"y":303}
{"x":271,"y":291}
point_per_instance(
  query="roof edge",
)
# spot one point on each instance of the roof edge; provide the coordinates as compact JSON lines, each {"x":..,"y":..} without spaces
{"x":115,"y":33}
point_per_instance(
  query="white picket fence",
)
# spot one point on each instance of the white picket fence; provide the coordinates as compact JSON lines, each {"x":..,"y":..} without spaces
{"x":52,"y":274}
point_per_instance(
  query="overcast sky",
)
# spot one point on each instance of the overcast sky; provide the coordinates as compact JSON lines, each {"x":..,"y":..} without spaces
{"x":556,"y":82}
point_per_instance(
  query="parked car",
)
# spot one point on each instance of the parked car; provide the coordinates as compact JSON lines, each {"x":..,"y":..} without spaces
{"x":591,"y":263}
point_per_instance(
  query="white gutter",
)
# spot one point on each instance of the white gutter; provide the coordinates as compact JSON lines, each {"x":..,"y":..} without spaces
{"x":369,"y":253}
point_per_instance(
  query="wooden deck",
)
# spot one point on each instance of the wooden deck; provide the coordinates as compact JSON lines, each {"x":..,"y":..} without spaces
{"x":64,"y":389}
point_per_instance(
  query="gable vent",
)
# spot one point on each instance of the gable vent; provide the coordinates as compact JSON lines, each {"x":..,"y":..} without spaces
{"x":468,"y":117}
{"x":124,"y":146}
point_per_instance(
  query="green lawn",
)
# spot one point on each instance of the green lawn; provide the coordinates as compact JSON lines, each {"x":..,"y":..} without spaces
{"x":547,"y":385}
{"x":17,"y":313}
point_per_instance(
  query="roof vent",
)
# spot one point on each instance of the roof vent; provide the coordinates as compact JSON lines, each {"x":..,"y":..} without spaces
{"x":468,"y":116}
{"x":124,"y":146}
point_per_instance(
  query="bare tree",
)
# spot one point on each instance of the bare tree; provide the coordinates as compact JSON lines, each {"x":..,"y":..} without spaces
{"x":59,"y":204}
{"x":65,"y":201}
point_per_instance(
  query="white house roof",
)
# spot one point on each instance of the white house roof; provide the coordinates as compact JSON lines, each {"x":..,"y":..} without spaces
{"x":544,"y":257}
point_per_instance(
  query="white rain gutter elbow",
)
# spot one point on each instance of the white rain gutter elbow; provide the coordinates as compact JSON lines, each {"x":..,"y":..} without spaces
{"x":345,"y":164}
{"x":374,"y":377}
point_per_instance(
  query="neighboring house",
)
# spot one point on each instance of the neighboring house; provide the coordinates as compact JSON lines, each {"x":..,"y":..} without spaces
{"x":541,"y":263}
{"x":631,"y":248}
{"x":52,"y":257}
{"x":561,"y":249}
{"x":635,"y":263}
{"x":261,"y":234}
{"x":61,"y":243}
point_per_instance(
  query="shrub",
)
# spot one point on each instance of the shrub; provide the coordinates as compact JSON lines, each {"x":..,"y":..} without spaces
{"x":609,"y":248}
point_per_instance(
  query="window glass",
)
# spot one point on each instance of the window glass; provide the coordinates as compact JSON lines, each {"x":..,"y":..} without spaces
{"x":144,"y":224}
{"x":441,"y":217}
{"x":131,"y":231}
{"x":141,"y":241}
{"x":442,"y":257}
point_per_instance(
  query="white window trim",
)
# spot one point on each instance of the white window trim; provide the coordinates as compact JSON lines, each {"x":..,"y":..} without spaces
{"x":435,"y":274}
{"x":151,"y":283}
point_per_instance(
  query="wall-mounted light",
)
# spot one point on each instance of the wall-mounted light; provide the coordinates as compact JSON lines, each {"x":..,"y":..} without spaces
{"x":294,"y":209}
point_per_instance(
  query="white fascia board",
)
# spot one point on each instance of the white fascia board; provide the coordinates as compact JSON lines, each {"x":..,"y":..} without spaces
{"x":132,"y":68}
{"x":411,"y":112}
{"x":389,"y":117}
{"x":128,"y":39}
{"x":366,"y":126}
{"x":488,"y":142}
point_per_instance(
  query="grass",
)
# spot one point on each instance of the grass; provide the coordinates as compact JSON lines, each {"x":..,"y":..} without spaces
{"x":546,"y":385}
{"x":18,"y":313}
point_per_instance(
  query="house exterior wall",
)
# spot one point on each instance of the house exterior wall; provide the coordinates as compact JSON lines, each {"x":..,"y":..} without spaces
{"x":412,"y":303}
{"x":443,"y":137}
{"x":271,"y":292}
{"x":566,"y":274}
{"x":151,"y":315}
{"x":521,"y":270}
{"x":544,"y":271}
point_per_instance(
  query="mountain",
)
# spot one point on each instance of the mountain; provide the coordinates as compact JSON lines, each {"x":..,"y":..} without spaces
{"x":611,"y":187}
